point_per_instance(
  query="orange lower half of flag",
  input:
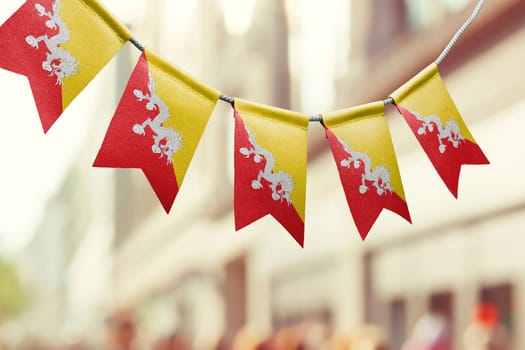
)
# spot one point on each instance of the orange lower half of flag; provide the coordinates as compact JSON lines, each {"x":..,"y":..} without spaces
{"x":253,"y":201}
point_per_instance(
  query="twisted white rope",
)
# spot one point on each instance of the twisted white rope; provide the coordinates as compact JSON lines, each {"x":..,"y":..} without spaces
{"x":460,"y":32}
{"x":390,"y":100}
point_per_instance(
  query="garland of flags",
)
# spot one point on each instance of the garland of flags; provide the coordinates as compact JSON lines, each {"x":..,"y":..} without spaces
{"x":61,"y":45}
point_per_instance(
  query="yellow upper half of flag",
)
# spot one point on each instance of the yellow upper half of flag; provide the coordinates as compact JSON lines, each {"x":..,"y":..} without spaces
{"x":284,"y":134}
{"x":365,"y":130}
{"x":95,"y":38}
{"x":190,"y":103}
{"x":427,"y":95}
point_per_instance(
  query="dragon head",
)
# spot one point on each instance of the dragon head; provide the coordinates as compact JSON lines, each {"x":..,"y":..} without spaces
{"x":383,"y":182}
{"x":454,"y":133}
{"x":285,"y":186}
{"x":67,"y":67}
{"x":173,"y":142}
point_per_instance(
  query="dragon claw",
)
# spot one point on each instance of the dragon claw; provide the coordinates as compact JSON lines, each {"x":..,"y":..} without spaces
{"x":138,"y":129}
{"x":156,"y":149}
{"x":51,"y":24}
{"x":31,"y":40}
{"x":41,"y":10}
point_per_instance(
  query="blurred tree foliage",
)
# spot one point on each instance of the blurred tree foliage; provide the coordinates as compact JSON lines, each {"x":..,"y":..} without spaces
{"x":12,"y":296}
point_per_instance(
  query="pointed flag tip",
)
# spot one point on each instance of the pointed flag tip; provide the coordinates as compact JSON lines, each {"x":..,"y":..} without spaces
{"x":405,"y":215}
{"x":46,"y":126}
{"x":454,"y":188}
{"x":167,"y":207}
{"x":298,"y":237}
{"x":300,"y":241}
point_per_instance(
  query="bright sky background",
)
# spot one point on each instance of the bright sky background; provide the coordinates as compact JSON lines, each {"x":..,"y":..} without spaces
{"x":33,"y":164}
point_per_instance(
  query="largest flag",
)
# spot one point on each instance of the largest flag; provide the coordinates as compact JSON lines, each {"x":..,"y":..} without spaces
{"x":158,"y":125}
{"x":60,"y":45}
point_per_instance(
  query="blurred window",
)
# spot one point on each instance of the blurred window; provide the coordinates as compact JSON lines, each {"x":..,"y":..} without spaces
{"x":387,"y":23}
{"x":426,"y":13}
{"x":398,"y":331}
{"x":235,"y":296}
{"x":442,"y":303}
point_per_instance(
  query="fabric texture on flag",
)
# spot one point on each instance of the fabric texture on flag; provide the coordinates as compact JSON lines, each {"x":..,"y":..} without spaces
{"x":158,"y":125}
{"x":363,"y":151}
{"x":60,"y":45}
{"x":430,"y":112}
{"x":270,"y":166}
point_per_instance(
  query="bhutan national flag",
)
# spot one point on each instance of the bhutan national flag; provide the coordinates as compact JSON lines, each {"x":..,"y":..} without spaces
{"x":270,"y":166}
{"x":434,"y":119}
{"x":158,"y":125}
{"x":60,"y":45}
{"x":367,"y":164}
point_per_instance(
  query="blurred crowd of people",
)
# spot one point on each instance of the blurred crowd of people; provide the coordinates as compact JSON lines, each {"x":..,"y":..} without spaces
{"x":431,"y":332}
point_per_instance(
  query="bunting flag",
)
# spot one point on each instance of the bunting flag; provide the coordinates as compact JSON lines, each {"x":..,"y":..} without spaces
{"x":60,"y":45}
{"x":427,"y":107}
{"x":158,"y":125}
{"x":270,"y":166}
{"x":363,"y":151}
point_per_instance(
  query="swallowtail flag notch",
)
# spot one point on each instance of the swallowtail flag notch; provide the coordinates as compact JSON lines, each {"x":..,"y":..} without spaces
{"x":363,"y":151}
{"x":158,"y":125}
{"x":270,"y":166}
{"x":60,"y":46}
{"x":434,"y":119}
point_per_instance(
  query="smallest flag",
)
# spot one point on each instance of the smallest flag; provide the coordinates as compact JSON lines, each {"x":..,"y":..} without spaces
{"x":270,"y":166}
{"x":363,"y":151}
{"x":430,"y":112}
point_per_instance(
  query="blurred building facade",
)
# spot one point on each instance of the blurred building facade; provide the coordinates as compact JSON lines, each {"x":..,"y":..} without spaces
{"x":190,"y":271}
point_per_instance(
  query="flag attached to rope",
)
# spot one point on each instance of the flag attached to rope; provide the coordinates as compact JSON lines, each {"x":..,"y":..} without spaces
{"x":434,"y":119}
{"x":270,"y":166}
{"x":158,"y":125}
{"x":60,"y":45}
{"x":363,"y":151}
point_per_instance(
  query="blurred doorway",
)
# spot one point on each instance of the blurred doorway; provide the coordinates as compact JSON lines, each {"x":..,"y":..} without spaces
{"x":235,"y":297}
{"x":500,"y":296}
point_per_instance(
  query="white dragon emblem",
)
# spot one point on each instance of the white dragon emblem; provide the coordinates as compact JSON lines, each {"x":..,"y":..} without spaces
{"x":450,"y":132}
{"x":166,"y":141}
{"x":380,"y":176}
{"x":59,"y":63}
{"x":280,"y":183}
